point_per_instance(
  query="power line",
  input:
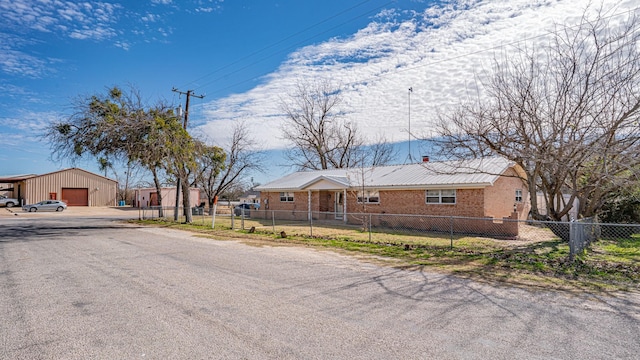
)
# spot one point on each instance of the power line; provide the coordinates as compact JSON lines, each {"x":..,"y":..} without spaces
{"x":444,"y":60}
{"x":283,"y":40}
{"x":398,"y":70}
{"x":285,"y":49}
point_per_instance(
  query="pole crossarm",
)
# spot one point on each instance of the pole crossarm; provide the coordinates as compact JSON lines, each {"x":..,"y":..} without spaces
{"x":189,"y":94}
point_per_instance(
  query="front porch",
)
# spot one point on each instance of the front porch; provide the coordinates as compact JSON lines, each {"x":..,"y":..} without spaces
{"x":331,"y":204}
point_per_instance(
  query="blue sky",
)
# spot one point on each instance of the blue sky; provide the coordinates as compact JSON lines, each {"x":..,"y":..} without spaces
{"x":244,"y":56}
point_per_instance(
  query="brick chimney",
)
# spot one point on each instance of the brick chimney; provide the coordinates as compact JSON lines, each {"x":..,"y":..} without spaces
{"x":425,"y":158}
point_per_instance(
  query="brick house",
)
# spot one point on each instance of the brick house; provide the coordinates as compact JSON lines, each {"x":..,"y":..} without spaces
{"x":482,"y":188}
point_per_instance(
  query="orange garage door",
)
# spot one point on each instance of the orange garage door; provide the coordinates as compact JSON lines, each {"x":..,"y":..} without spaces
{"x":75,"y":197}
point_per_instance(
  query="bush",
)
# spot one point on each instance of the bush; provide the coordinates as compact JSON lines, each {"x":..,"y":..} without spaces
{"x":622,"y":210}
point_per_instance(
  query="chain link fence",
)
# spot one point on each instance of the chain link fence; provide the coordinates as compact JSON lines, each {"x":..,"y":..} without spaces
{"x":442,"y":231}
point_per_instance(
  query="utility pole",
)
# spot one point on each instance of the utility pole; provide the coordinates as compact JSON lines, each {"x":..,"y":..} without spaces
{"x":189,"y":94}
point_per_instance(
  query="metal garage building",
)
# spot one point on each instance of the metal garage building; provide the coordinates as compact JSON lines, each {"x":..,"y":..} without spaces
{"x":75,"y":186}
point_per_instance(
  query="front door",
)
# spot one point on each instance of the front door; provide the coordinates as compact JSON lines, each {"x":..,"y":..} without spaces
{"x":339,"y":205}
{"x":153,"y":199}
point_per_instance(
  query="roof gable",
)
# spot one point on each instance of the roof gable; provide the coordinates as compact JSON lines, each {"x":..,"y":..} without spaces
{"x":15,"y":178}
{"x":77,"y":170}
{"x":327,"y":182}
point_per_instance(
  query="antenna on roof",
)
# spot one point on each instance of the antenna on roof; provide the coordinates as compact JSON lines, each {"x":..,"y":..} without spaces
{"x":409,"y":157}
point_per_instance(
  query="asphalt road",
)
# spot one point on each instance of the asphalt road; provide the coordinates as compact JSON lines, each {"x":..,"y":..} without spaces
{"x":91,"y":288}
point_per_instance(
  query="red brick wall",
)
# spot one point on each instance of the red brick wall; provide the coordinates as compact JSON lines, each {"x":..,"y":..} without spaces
{"x":299,"y":202}
{"x":469,"y":202}
{"x":500,"y":198}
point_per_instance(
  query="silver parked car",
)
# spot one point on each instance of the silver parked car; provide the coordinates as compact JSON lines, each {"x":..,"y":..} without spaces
{"x":47,"y":205}
{"x":8,"y":202}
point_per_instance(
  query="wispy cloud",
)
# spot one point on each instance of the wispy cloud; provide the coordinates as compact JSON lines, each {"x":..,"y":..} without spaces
{"x":14,"y":62}
{"x":99,"y":33}
{"x":61,"y":17}
{"x":439,"y":52}
{"x":96,"y":21}
{"x":26,"y":129}
{"x":150,"y":18}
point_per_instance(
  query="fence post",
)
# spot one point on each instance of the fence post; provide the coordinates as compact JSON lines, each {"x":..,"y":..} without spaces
{"x":572,"y":241}
{"x":242,"y":218}
{"x":273,"y":221}
{"x":369,"y":227}
{"x":213,"y":215}
{"x":451,"y":232}
{"x":233,"y":218}
{"x":310,"y":223}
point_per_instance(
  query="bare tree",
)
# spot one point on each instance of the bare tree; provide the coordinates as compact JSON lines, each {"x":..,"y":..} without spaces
{"x":210,"y":163}
{"x":126,"y":173}
{"x":321,"y":139}
{"x":381,"y":152}
{"x":220,"y":170}
{"x":566,"y":111}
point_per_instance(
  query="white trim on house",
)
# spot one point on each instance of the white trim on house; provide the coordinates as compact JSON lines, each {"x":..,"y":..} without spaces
{"x":324,"y":182}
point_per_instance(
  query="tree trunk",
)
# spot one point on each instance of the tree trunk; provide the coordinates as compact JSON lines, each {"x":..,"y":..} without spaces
{"x":156,"y":182}
{"x":186,"y":201}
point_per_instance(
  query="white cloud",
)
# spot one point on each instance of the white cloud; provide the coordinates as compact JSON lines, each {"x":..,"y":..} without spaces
{"x":99,"y":21}
{"x":26,"y":129}
{"x":18,"y":63}
{"x":99,"y":33}
{"x":68,"y":17}
{"x":438,"y":52}
{"x":150,"y":18}
{"x":123,"y":45}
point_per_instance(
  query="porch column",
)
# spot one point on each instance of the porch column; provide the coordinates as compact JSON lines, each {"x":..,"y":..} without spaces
{"x":344,"y":206}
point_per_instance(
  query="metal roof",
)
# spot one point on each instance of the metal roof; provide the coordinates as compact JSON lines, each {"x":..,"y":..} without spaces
{"x":15,"y":178}
{"x":442,"y":174}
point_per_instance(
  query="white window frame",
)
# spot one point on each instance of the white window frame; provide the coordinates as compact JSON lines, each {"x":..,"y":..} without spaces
{"x":369,"y":196}
{"x":441,"y":194}
{"x":518,"y":195}
{"x":286,"y":196}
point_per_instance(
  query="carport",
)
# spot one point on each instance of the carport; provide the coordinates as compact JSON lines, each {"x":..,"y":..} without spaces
{"x":13,"y":186}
